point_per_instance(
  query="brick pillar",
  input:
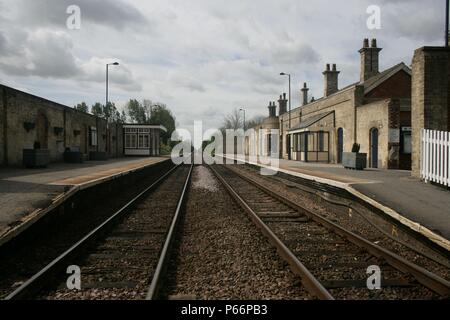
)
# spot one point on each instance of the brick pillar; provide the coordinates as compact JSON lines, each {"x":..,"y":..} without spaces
{"x":430,"y":96}
{"x":394,"y":134}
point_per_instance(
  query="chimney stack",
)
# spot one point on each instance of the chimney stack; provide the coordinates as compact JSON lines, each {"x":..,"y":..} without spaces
{"x":283,"y":104}
{"x":272,"y":109}
{"x":305,"y":90}
{"x":370,"y":58}
{"x":331,"y":80}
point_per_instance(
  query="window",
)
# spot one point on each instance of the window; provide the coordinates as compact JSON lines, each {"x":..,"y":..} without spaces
{"x":144,"y":141}
{"x":93,"y":137}
{"x":406,"y":141}
{"x":130,"y":141}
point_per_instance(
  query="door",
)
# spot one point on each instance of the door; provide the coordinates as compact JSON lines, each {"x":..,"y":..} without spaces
{"x":42,"y":131}
{"x":340,"y":144}
{"x":83,"y":139}
{"x":374,"y":147}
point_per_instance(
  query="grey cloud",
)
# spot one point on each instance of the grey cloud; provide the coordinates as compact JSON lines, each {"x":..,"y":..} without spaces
{"x":296,"y":54}
{"x":112,"y":13}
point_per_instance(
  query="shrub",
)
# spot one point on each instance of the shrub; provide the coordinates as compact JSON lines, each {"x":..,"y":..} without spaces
{"x":356,"y":148}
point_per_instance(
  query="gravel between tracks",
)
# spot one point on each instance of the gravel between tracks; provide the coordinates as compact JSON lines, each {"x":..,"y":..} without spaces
{"x":222,"y":255}
{"x":350,"y":221}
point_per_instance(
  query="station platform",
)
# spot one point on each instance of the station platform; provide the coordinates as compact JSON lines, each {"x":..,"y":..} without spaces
{"x":425,"y":208}
{"x":26,"y":193}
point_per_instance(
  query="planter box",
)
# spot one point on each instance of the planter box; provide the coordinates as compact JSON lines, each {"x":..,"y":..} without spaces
{"x":39,"y":158}
{"x":73,"y":157}
{"x":357,"y":161}
{"x":98,"y":156}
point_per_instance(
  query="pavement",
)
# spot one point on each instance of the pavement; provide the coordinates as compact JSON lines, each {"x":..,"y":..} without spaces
{"x":24,"y":192}
{"x":423,"y":207}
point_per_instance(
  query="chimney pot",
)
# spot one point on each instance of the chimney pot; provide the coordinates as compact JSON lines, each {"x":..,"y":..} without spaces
{"x":370,"y":57}
{"x":366,"y":43}
{"x":305,"y":94}
{"x":374,"y":43}
{"x":331,"y":80}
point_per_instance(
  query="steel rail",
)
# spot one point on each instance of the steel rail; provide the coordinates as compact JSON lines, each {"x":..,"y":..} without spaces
{"x":37,"y":281}
{"x":155,"y":285}
{"x":425,"y":277}
{"x":307,"y":278}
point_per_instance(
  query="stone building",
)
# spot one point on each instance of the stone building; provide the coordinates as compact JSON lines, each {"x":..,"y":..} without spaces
{"x":31,"y":122}
{"x":375,"y":112}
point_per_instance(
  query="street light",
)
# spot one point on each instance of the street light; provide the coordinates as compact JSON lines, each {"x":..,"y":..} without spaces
{"x":289,"y":140}
{"x":242,"y":109}
{"x":107,"y":81}
{"x":106,"y":105}
{"x":447,"y":18}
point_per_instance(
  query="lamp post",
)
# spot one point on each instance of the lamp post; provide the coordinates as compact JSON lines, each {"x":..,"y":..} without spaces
{"x":243,"y":110}
{"x":107,"y":82}
{"x":447,"y":8}
{"x":106,"y":105}
{"x":287,"y":136}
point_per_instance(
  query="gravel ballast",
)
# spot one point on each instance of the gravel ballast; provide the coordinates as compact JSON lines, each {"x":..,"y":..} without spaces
{"x":222,"y":255}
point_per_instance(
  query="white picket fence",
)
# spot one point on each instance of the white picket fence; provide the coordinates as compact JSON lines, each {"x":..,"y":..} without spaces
{"x":436,"y":156}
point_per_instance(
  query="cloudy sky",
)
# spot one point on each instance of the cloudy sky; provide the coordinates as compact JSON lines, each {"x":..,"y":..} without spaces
{"x":203,"y":58}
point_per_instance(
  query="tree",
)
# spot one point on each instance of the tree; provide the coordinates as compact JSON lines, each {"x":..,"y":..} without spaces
{"x":162,"y":115}
{"x":256,"y":121}
{"x":149,"y":113}
{"x":109,"y":113}
{"x":233,"y":121}
{"x":83,"y":107}
{"x":136,"y":112}
{"x":97,"y":110}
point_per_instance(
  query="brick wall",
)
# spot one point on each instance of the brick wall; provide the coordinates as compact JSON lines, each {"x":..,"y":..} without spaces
{"x":430,"y":95}
{"x":63,"y":126}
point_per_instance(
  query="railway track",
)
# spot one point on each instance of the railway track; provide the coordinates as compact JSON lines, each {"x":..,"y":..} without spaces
{"x":123,"y":258}
{"x":331,"y":261}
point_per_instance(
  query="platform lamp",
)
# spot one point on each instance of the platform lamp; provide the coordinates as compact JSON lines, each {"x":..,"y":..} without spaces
{"x":447,"y":20}
{"x":243,"y":110}
{"x":107,"y":97}
{"x":288,"y":75}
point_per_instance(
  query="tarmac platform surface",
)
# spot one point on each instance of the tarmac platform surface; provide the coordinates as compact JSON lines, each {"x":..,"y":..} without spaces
{"x":25,"y":191}
{"x":423,"y":207}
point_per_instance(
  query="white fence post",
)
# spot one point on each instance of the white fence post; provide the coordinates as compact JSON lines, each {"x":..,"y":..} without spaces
{"x":435,"y":156}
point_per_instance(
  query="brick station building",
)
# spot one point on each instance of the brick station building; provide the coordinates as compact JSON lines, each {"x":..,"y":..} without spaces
{"x":375,"y":112}
{"x":31,"y":122}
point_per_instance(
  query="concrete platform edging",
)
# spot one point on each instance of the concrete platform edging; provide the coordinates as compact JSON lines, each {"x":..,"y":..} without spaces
{"x":417,"y":227}
{"x":38,"y":214}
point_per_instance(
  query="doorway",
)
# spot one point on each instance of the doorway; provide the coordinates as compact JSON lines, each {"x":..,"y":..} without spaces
{"x":340,"y":151}
{"x":42,"y":131}
{"x":374,"y":148}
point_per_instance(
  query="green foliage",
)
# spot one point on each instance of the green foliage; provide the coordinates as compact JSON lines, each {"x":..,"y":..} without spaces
{"x":149,"y":113}
{"x":166,"y":150}
{"x":356,"y":148}
{"x":109,"y":112}
{"x":83,"y":107}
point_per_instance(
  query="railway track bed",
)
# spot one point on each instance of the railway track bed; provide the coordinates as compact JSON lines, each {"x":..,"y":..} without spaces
{"x":332,"y":261}
{"x":118,"y":260}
